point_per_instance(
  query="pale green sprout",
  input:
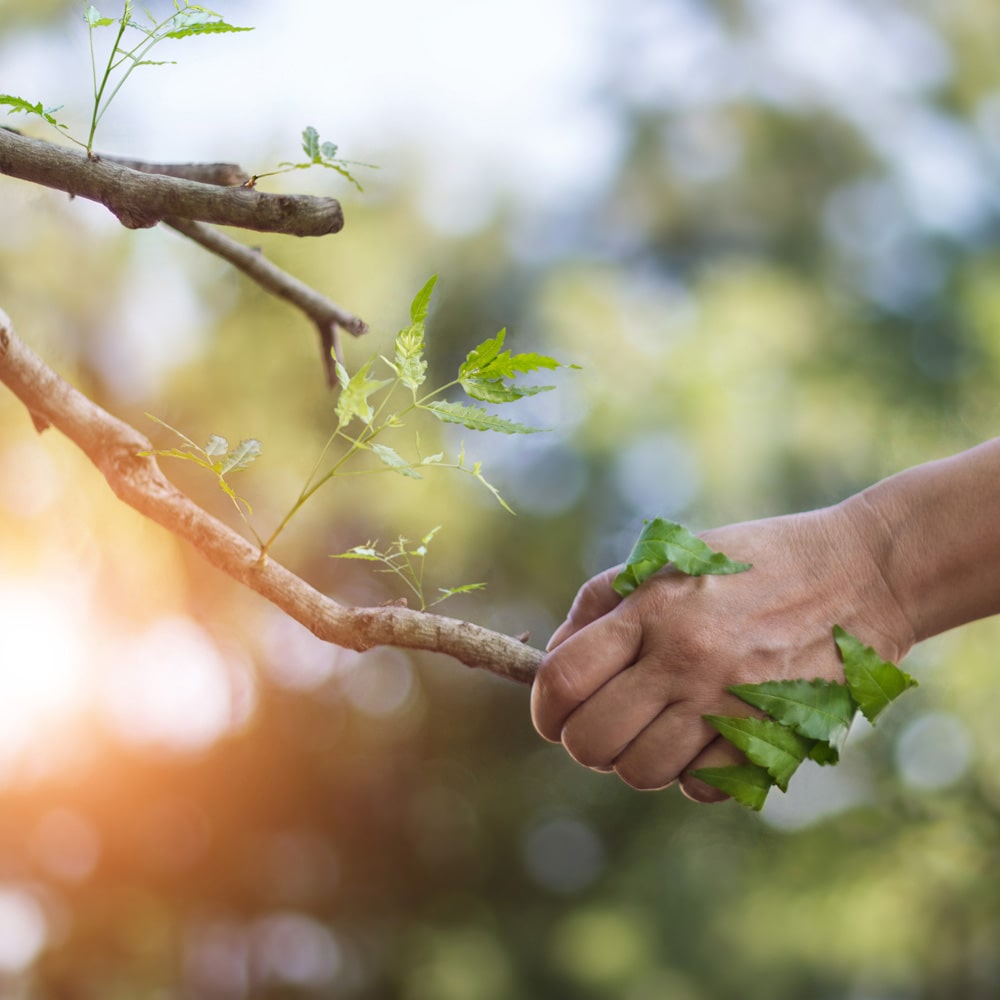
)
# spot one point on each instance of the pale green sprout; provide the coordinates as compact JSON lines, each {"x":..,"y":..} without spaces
{"x":406,"y":560}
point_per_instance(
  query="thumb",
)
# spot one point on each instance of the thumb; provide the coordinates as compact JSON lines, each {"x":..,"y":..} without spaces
{"x":593,"y":600}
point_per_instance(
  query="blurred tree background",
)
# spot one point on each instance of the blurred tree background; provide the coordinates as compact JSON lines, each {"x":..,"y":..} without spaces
{"x":780,"y":275}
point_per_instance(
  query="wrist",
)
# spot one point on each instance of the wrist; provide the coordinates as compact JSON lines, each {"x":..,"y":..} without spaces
{"x":934,"y":535}
{"x":879,"y":574}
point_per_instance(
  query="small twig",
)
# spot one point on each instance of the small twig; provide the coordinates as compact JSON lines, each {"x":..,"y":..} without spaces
{"x":113,"y":446}
{"x":327,"y":315}
{"x":140,"y":200}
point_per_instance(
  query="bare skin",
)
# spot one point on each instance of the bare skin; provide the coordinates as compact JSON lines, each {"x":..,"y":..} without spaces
{"x":626,"y":683}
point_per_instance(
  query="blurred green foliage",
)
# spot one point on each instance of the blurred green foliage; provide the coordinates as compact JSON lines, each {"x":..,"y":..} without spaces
{"x":780,"y":296}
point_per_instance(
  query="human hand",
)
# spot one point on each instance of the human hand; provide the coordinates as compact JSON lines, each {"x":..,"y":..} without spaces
{"x":626,"y":683}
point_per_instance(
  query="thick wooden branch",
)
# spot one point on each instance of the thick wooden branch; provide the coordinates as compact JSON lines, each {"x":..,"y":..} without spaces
{"x":114,"y":446}
{"x":140,"y":199}
{"x":327,"y":315}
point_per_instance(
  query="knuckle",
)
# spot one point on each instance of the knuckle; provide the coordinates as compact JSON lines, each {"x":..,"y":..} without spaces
{"x":640,"y":776}
{"x":557,"y":683}
{"x":586,"y":747}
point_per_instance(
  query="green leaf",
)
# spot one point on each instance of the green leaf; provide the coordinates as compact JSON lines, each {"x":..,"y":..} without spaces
{"x":873,"y":682}
{"x":747,"y":783}
{"x":497,"y":391}
{"x":94,"y":18}
{"x":327,"y":150}
{"x":354,"y":396}
{"x":310,"y":143}
{"x":394,"y":461}
{"x":365,"y":552}
{"x":824,"y":754}
{"x":189,"y":25}
{"x":818,"y":709}
{"x":422,"y":300}
{"x":481,"y":357}
{"x":662,"y":542}
{"x":409,"y":357}
{"x":476,"y":419}
{"x":18,"y":105}
{"x":766,"y":743}
{"x":240,"y":457}
{"x":466,"y":588}
{"x":485,"y":368}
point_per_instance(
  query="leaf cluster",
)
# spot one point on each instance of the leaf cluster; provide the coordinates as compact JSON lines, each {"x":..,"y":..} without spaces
{"x":807,"y":720}
{"x":406,"y":560}
{"x":318,"y":154}
{"x":379,"y":400}
{"x":187,"y":20}
{"x":217,"y":457}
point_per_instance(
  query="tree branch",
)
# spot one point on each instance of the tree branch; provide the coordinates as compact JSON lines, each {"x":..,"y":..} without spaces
{"x":140,"y":200}
{"x":327,"y":315}
{"x":113,"y":446}
{"x":220,"y":174}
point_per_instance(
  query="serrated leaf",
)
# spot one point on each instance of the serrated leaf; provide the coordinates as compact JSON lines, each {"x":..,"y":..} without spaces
{"x":422,"y":300}
{"x":310,"y":143}
{"x":482,"y":356}
{"x":824,"y":754}
{"x":409,"y":357}
{"x":766,"y":743}
{"x":395,"y":461}
{"x":204,"y":28}
{"x":240,"y":457}
{"x":328,"y":150}
{"x":466,"y":588}
{"x":818,"y":709}
{"x":360,"y":552}
{"x":747,"y":783}
{"x":18,"y":105}
{"x":663,"y":542}
{"x":497,"y":391}
{"x":354,"y":397}
{"x":216,"y":446}
{"x":874,"y":683}
{"x":477,"y":419}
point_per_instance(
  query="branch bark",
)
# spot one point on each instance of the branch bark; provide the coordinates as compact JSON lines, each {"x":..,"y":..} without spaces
{"x":327,"y":315}
{"x":140,"y":200}
{"x":113,"y":447}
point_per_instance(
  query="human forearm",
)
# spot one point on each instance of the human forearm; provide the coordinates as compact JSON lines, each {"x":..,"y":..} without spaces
{"x":935,"y":532}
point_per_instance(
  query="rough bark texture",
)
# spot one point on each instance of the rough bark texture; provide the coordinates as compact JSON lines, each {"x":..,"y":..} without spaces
{"x":140,"y":199}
